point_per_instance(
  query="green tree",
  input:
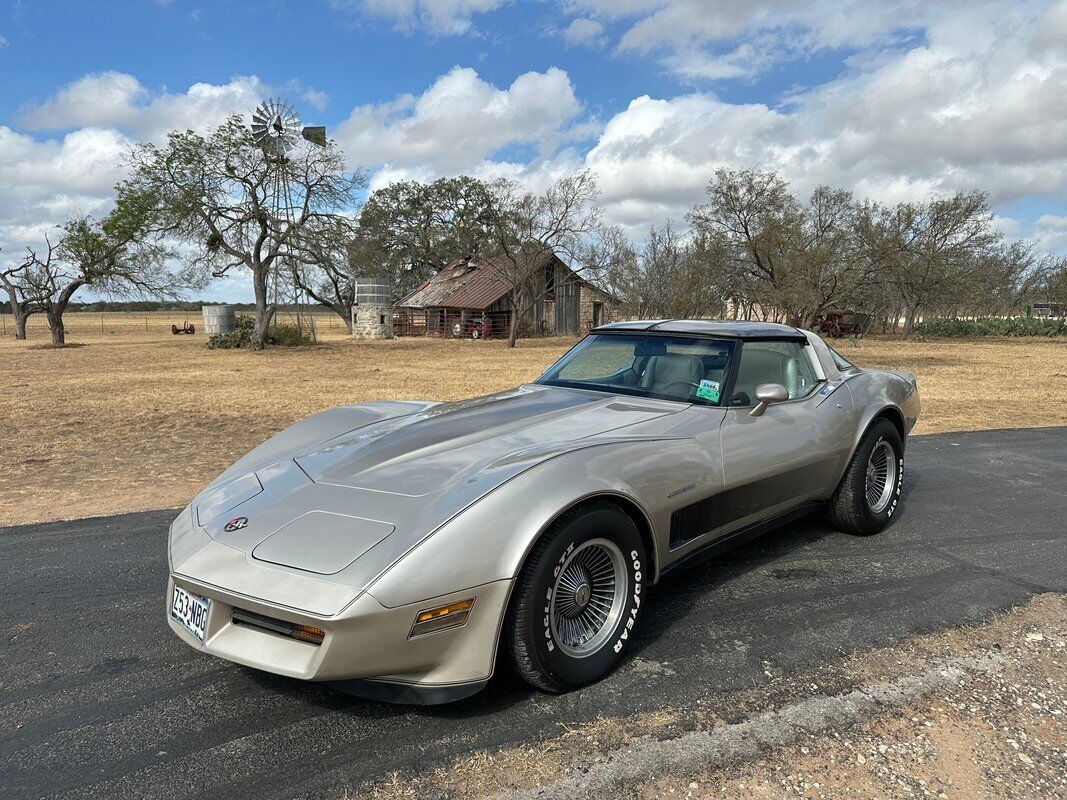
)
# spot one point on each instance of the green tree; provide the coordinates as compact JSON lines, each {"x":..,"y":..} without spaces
{"x":409,"y":230}
{"x":216,"y":193}
{"x":116,"y":255}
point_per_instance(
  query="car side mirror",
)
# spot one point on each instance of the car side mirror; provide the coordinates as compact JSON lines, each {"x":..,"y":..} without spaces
{"x":767,"y":393}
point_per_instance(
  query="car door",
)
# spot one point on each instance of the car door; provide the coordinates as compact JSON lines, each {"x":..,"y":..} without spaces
{"x":793,"y":452}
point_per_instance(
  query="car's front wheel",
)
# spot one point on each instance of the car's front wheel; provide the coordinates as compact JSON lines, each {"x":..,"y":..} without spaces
{"x":578,"y":598}
{"x":868,"y":494}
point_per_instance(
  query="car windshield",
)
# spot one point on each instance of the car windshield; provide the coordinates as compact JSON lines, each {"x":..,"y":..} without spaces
{"x":682,"y":368}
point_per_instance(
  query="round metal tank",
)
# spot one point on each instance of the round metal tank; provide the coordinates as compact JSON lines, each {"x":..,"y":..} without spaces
{"x":373,"y":292}
{"x":218,"y":319}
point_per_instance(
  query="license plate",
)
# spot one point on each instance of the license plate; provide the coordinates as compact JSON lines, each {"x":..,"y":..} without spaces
{"x":190,"y":610}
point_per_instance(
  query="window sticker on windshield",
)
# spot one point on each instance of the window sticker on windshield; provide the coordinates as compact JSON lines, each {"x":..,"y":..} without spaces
{"x":708,"y":390}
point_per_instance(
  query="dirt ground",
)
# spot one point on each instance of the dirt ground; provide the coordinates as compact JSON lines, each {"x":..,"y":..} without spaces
{"x":994,"y":728}
{"x":132,"y":418}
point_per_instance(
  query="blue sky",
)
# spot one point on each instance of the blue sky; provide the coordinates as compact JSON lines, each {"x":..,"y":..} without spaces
{"x":893,"y":99}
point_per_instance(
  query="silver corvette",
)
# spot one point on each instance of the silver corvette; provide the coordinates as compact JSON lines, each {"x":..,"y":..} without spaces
{"x":395,"y":547}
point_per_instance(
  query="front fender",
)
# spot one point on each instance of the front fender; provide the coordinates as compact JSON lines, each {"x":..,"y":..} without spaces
{"x":490,"y":539}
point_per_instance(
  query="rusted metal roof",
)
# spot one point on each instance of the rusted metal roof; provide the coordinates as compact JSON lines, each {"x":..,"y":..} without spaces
{"x":433,"y":290}
{"x":466,"y":284}
{"x":480,"y":292}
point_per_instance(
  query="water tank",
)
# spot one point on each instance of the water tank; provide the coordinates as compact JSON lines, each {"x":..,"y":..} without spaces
{"x":373,"y":292}
{"x":218,"y":319}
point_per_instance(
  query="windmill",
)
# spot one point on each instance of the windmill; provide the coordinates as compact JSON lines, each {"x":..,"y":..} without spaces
{"x":277,"y":130}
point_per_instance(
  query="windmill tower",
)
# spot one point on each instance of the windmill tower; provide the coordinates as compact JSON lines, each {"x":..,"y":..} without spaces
{"x":277,"y":130}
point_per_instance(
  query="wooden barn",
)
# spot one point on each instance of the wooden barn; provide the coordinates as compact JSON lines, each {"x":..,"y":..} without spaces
{"x":469,"y":298}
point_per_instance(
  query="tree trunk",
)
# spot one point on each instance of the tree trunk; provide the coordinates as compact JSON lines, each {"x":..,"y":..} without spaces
{"x":21,"y":315}
{"x":261,"y":326}
{"x":264,"y":312}
{"x":909,"y":322}
{"x":513,"y":327}
{"x":55,"y":324}
{"x":347,"y":317}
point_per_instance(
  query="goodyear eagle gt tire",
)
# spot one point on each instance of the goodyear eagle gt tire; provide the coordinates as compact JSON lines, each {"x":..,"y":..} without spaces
{"x":578,"y":598}
{"x":868,"y":494}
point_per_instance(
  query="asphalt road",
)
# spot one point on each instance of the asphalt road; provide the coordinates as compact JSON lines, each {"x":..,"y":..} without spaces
{"x":99,"y":699}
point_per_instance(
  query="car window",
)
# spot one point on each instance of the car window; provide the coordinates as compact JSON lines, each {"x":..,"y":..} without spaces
{"x":842,"y":363}
{"x":785,"y":363}
{"x":687,"y":369}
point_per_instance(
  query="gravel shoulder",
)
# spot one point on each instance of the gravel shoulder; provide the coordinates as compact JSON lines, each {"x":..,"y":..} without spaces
{"x":971,"y":712}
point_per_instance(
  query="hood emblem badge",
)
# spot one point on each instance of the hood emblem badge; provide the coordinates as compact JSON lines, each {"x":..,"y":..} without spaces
{"x":235,"y":524}
{"x":681,"y":490}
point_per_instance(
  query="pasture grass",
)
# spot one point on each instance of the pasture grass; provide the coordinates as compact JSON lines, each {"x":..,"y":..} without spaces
{"x":137,"y":420}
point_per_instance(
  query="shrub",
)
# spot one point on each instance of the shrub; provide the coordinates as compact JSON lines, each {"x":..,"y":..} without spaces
{"x":241,"y":336}
{"x":288,"y":335}
{"x":285,"y":334}
{"x":1007,"y":326}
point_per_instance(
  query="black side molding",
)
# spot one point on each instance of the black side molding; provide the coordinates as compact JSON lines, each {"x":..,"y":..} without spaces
{"x":697,"y":519}
{"x":740,"y":536}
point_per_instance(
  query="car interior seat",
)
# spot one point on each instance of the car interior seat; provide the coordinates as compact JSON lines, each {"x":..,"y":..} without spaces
{"x":763,"y":366}
{"x":673,"y":374}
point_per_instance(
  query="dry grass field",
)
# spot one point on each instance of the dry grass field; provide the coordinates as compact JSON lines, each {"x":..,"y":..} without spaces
{"x":129,"y":419}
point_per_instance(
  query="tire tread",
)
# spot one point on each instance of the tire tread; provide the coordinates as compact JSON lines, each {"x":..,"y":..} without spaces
{"x":847,"y":508}
{"x":525,"y":606}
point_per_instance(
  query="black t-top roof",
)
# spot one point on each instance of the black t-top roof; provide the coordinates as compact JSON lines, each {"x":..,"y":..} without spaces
{"x":729,"y":329}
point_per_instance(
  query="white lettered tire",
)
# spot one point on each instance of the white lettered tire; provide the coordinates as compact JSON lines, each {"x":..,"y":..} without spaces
{"x":869,"y":493}
{"x":578,"y":598}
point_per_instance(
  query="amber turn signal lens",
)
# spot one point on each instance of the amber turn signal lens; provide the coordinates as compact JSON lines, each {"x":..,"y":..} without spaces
{"x":441,"y":618}
{"x":309,"y":633}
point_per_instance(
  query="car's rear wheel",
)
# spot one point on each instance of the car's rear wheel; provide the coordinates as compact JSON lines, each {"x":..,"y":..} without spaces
{"x":578,"y":598}
{"x":868,"y":494}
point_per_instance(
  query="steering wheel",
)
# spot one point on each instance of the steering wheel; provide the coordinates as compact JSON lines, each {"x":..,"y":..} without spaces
{"x":669,"y":388}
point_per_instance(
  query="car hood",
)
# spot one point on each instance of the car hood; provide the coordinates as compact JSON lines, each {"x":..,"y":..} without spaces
{"x":448,"y":444}
{"x":348,"y":506}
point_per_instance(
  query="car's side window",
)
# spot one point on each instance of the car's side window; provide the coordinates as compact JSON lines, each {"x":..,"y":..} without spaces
{"x":773,"y":362}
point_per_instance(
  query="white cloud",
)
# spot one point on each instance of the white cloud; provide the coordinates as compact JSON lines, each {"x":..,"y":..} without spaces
{"x":105,"y":98}
{"x":944,"y":115}
{"x":316,"y":99}
{"x":48,"y":179}
{"x":1049,"y":231}
{"x":703,"y":40}
{"x":45,"y":182}
{"x":978,"y":100}
{"x":584,"y":31}
{"x":119,"y":101}
{"x":461,"y":120}
{"x":440,"y":17}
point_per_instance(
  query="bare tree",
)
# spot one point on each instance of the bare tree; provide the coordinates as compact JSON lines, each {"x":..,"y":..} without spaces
{"x":791,"y":259}
{"x":935,"y":250}
{"x":21,"y":306}
{"x":113,"y":255}
{"x":321,"y":268}
{"x":217,"y":193}
{"x":667,"y":277}
{"x":530,"y":228}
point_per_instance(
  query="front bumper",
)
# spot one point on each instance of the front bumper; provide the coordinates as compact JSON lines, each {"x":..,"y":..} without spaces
{"x":366,"y":641}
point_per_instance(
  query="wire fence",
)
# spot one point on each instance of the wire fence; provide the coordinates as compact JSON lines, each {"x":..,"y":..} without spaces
{"x":132,"y":323}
